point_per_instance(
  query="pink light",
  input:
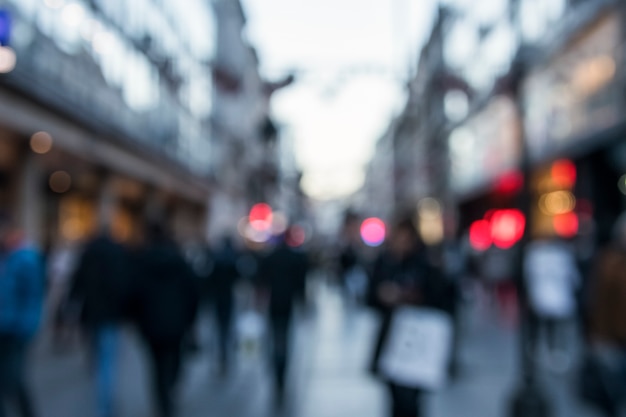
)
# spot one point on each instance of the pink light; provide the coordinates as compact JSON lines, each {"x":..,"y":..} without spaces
{"x":373,"y":231}
{"x":261,"y":217}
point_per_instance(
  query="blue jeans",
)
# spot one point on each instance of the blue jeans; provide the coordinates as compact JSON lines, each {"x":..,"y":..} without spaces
{"x":105,"y":341}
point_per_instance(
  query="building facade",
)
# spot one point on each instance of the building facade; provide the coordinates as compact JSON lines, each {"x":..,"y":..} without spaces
{"x":105,"y":115}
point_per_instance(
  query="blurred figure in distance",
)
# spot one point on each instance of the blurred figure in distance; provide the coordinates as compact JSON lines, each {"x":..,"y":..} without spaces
{"x":221,"y":290}
{"x":552,"y":280}
{"x":280,"y":276}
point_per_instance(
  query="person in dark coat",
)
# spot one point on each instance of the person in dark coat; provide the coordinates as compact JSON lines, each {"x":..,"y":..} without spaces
{"x":280,"y":276}
{"x":166,"y":308}
{"x":99,"y":293}
{"x":403,"y":275}
{"x":221,"y":289}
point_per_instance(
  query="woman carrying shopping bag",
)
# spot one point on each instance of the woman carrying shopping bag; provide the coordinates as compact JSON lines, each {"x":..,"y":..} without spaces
{"x":415,"y":340}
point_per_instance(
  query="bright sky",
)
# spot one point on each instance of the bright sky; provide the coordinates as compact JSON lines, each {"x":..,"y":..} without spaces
{"x":351,"y":58}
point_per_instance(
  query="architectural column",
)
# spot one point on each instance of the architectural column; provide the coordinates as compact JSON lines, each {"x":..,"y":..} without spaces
{"x":30,"y":202}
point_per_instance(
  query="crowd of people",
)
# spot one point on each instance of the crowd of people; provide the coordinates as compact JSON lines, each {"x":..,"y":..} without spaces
{"x":155,"y":288}
{"x":159,"y":289}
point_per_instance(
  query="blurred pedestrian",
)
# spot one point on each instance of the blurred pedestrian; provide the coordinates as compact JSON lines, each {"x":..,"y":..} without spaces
{"x":221,"y":288}
{"x":607,"y":351}
{"x":552,"y":280}
{"x":61,"y":264}
{"x":166,"y":307}
{"x":403,"y":276}
{"x":98,"y":299}
{"x":22,"y":287}
{"x":280,"y":276}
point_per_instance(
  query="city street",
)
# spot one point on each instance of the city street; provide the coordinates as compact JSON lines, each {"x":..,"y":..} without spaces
{"x":328,"y":376}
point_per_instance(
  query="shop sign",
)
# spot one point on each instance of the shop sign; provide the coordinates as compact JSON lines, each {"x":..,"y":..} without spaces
{"x":485,"y":147}
{"x":574,"y":96}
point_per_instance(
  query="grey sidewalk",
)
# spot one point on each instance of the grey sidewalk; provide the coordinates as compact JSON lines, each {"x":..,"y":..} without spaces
{"x":328,"y":374}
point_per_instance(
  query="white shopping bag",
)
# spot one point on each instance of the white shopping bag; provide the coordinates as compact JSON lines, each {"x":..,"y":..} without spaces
{"x":417,"y":348}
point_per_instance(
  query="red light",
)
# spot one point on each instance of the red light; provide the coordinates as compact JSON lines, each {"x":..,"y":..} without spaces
{"x":480,"y":235}
{"x":261,"y":216}
{"x":373,"y":231}
{"x":507,"y":227}
{"x":510,"y":183}
{"x":564,"y":173}
{"x":566,"y":225}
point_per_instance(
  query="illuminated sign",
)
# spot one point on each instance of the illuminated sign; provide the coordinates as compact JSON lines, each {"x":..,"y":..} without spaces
{"x":5,"y":27}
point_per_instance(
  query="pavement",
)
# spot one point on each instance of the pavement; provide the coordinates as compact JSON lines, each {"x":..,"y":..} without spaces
{"x":328,"y":376}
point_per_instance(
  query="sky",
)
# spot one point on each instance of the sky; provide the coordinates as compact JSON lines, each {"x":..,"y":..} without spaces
{"x":352,"y":60}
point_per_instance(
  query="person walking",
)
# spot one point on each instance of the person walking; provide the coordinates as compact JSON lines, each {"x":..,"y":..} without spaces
{"x":552,"y":279}
{"x":166,"y":306}
{"x":280,"y":276}
{"x":221,"y":288}
{"x":98,"y":299}
{"x":22,"y":288}
{"x":403,"y":276}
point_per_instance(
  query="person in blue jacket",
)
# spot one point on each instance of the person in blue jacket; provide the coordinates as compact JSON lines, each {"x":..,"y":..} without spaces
{"x":22,"y":287}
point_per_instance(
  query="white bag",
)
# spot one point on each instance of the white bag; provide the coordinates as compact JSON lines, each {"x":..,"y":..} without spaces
{"x":417,"y":348}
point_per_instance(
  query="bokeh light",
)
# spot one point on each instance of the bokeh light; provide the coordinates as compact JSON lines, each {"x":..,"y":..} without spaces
{"x":41,"y":142}
{"x":480,"y":235}
{"x":260,"y":217}
{"x":8,"y":59}
{"x":563,"y":173}
{"x":566,"y":225}
{"x":507,"y":227}
{"x":557,"y":202}
{"x":60,"y":182}
{"x":373,"y":231}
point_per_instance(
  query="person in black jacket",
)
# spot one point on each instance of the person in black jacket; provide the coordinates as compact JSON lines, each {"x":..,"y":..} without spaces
{"x":281,"y":275}
{"x":166,"y":308}
{"x":221,"y":289}
{"x":99,"y":294}
{"x":403,"y":275}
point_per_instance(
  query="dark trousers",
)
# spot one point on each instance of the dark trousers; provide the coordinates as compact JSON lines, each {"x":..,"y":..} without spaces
{"x":224,"y":323}
{"x":166,"y":361}
{"x":405,"y":402}
{"x":280,"y":349}
{"x":13,"y":387}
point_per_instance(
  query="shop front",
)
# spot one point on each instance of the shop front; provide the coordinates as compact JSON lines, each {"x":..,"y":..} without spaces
{"x":574,"y":120}
{"x":484,"y":155}
{"x":63,"y":182}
